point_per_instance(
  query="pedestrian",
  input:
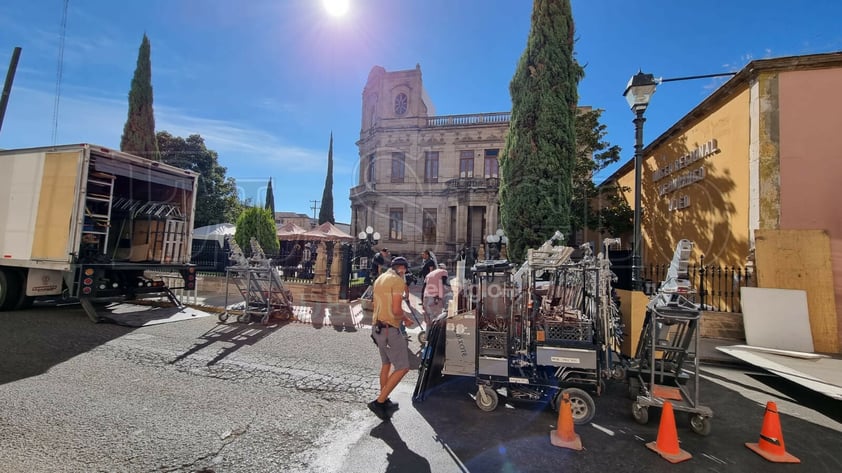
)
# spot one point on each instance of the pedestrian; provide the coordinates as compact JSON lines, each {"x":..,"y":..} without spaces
{"x":380,"y":262}
{"x":428,"y":263}
{"x":433,"y":296}
{"x":385,"y":331}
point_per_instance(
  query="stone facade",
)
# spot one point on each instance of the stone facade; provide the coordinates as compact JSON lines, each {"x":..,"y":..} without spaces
{"x":299,"y":219}
{"x":425,"y":181}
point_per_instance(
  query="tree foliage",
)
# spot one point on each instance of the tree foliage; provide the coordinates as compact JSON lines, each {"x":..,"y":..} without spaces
{"x":260,"y":224}
{"x":139,"y":131}
{"x":540,"y":155}
{"x":326,"y":211}
{"x":270,"y":199}
{"x":590,"y":208}
{"x":216,"y":198}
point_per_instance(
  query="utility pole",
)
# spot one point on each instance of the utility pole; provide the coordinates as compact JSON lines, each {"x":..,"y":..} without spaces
{"x":315,"y":208}
{"x":7,"y":87}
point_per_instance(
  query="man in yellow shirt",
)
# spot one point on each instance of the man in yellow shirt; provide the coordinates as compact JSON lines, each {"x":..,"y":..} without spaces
{"x":388,"y":293}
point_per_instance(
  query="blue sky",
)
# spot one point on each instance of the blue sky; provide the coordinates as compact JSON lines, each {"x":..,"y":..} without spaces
{"x":266,"y":81}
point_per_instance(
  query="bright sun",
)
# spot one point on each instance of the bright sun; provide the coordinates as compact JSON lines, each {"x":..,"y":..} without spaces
{"x":336,"y":7}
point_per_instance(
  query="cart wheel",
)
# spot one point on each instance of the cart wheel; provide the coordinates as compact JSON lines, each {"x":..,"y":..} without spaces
{"x":581,"y":405}
{"x":223,"y":316}
{"x":422,"y":337}
{"x":634,"y":388}
{"x":640,"y":413}
{"x":487,"y":398}
{"x":241,"y":318}
{"x":264,"y":320}
{"x":700,"y":424}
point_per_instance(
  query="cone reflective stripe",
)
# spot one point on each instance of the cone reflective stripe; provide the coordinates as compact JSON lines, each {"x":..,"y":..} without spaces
{"x":564,"y":436}
{"x":771,"y":444}
{"x":667,"y":443}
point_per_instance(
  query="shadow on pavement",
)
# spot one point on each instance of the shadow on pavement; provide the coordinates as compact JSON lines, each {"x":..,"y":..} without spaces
{"x":235,"y":335}
{"x":401,"y":459}
{"x":34,"y":340}
{"x":516,"y":436}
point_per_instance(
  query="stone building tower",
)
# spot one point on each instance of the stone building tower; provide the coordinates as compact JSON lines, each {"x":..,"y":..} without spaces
{"x":424,"y":181}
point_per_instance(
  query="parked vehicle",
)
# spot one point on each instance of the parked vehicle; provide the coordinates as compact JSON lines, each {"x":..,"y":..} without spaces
{"x":87,"y":223}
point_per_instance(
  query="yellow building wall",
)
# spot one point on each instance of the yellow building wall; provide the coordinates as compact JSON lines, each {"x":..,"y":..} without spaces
{"x":712,"y":209}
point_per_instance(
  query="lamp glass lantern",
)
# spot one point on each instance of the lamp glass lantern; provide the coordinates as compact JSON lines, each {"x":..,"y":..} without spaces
{"x":639,"y":91}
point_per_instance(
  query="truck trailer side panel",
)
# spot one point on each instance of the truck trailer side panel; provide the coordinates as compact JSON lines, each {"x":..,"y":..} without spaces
{"x":20,"y":188}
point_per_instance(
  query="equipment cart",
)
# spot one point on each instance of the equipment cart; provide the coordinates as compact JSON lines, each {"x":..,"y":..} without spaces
{"x":666,"y":365}
{"x":537,"y":332}
{"x":259,"y":284}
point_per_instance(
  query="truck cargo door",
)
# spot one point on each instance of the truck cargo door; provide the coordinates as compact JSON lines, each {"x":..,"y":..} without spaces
{"x":56,"y":201}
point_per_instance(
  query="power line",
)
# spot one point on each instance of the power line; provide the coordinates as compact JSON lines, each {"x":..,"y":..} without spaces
{"x":59,"y":67}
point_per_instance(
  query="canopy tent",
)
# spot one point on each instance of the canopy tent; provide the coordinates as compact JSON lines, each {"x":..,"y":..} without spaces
{"x":291,"y":231}
{"x":216,"y":232}
{"x":328,"y":232}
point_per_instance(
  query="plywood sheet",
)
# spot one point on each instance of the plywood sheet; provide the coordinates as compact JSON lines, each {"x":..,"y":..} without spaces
{"x":823,"y":375}
{"x":776,"y":318}
{"x":55,"y":206}
{"x":800,"y":259}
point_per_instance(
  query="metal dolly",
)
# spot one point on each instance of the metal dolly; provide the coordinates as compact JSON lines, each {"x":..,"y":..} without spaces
{"x":666,"y":360}
{"x":260,"y":286}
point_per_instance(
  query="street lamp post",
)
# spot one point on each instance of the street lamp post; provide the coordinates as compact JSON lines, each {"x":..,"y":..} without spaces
{"x":368,"y":239}
{"x":495,"y":244}
{"x":638,"y":93}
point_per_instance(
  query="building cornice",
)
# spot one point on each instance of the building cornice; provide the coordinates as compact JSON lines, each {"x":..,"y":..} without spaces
{"x":736,"y":84}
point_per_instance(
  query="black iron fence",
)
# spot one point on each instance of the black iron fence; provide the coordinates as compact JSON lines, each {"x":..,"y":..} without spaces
{"x":717,"y":287}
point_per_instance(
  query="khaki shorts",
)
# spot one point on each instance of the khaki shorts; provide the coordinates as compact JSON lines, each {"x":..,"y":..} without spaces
{"x":393,"y":347}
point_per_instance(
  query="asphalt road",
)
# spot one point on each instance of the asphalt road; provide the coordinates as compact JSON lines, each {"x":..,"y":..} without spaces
{"x":199,"y":396}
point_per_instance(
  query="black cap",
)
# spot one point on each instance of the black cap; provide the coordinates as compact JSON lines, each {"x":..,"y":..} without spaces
{"x":400,"y":260}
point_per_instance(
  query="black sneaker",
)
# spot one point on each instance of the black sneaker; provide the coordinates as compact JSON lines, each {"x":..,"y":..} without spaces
{"x":391,"y":407}
{"x":380,"y":410}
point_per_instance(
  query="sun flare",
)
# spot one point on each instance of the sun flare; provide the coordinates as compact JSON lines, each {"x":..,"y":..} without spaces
{"x":336,"y":7}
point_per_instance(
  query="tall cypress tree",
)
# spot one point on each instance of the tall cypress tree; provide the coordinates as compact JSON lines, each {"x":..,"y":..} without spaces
{"x":326,"y":211}
{"x":540,"y":151}
{"x":270,"y":199}
{"x":139,"y":131}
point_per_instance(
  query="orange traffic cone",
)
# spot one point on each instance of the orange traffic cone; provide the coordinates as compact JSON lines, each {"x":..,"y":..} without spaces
{"x":564,"y":436}
{"x":667,"y":443}
{"x":771,"y":443}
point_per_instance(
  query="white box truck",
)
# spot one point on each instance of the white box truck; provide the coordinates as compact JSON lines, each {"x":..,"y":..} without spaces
{"x":84,"y":222}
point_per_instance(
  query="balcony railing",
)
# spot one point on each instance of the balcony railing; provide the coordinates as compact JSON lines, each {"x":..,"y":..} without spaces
{"x":363,"y":188}
{"x":473,"y":119}
{"x":473,"y":183}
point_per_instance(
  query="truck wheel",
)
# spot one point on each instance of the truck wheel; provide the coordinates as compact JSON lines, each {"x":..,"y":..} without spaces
{"x":24,"y":301}
{"x":9,"y":288}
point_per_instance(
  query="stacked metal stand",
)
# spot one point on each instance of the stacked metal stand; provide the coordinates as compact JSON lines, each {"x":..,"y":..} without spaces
{"x":259,"y":284}
{"x":548,"y":327}
{"x":666,"y":365}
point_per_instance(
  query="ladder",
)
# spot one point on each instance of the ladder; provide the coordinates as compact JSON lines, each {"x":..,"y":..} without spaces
{"x":97,"y":220}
